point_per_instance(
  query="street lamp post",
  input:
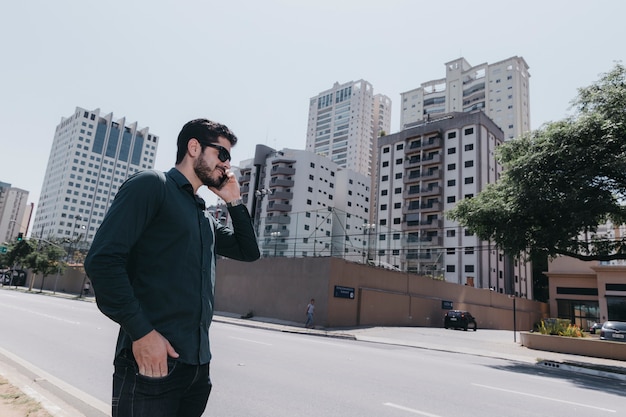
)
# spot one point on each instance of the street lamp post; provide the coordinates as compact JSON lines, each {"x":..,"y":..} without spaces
{"x":275,"y":236}
{"x":368,"y":227}
{"x":74,"y":239}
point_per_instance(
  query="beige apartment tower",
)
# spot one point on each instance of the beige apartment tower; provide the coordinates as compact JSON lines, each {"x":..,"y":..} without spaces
{"x":500,"y":90}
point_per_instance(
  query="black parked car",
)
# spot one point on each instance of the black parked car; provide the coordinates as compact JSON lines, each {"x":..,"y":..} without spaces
{"x":458,"y":319}
{"x":18,"y":275}
{"x":595,"y":327}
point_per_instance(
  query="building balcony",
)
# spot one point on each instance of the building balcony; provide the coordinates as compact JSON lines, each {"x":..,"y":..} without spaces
{"x":277,"y":170}
{"x":425,"y":241}
{"x":283,"y":234}
{"x":422,"y":192}
{"x":423,"y":208}
{"x":281,"y":182}
{"x":278,"y":220}
{"x":426,"y":224}
{"x":275,"y":247}
{"x":280,"y":195}
{"x":416,"y":161}
{"x":422,"y":176}
{"x":423,"y":144}
{"x":282,"y":207}
{"x":245,"y":176}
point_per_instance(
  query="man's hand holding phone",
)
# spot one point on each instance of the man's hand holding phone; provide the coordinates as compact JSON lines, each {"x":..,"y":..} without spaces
{"x":228,"y":189}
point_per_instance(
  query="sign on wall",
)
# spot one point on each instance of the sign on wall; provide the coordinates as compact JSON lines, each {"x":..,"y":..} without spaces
{"x":344,"y":292}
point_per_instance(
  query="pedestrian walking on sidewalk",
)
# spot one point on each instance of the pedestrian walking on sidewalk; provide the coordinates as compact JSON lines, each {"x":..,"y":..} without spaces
{"x":310,"y":311}
{"x":152,"y":268}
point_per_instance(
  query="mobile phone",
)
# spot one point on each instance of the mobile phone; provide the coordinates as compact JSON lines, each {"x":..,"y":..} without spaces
{"x":225,"y":178}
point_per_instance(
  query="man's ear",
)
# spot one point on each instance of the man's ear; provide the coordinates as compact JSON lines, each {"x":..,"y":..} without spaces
{"x":193,"y":147}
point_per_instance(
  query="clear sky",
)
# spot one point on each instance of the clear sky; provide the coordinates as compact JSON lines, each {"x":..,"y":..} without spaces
{"x":254,"y":64}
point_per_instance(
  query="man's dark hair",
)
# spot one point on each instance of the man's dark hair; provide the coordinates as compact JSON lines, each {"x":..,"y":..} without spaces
{"x":205,"y":131}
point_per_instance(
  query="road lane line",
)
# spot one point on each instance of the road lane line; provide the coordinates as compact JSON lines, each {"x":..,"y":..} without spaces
{"x":411,"y":410}
{"x":251,"y":341}
{"x":48,"y":316}
{"x":545,"y":398}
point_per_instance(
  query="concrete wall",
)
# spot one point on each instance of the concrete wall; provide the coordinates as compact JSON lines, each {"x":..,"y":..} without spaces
{"x":575,"y":345}
{"x":71,"y":281}
{"x":282,"y":287}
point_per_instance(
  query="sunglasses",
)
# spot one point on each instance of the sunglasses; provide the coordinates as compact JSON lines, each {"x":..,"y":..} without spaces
{"x":223,"y":154}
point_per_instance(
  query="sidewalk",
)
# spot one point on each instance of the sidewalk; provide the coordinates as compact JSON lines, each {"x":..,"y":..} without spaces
{"x":497,"y":344}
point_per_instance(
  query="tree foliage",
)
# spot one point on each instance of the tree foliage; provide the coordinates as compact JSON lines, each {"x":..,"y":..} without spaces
{"x":561,"y":182}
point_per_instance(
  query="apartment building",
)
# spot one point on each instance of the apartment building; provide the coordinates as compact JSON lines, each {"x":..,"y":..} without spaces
{"x":500,"y":90}
{"x":303,"y":204}
{"x":424,"y":171}
{"x":91,"y":156}
{"x":15,"y":212}
{"x":344,"y":122}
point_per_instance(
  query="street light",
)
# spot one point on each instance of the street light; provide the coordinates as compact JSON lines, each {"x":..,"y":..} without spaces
{"x":367,"y":228}
{"x":70,"y":255}
{"x":275,"y":235}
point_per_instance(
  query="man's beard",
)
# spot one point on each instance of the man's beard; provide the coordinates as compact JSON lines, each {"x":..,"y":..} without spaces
{"x":205,"y":173}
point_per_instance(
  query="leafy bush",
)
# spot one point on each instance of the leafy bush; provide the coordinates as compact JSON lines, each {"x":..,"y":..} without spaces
{"x":560,"y":327}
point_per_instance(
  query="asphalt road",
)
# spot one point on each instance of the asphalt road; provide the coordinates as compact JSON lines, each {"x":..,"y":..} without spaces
{"x":257,"y":372}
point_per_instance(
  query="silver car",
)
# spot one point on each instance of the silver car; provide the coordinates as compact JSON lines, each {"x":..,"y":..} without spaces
{"x":614,"y":331}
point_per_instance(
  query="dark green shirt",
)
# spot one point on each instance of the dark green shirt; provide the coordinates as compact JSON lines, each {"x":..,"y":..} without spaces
{"x":152,"y":261}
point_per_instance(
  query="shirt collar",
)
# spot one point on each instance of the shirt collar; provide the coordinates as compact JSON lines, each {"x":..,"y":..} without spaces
{"x":183,"y":183}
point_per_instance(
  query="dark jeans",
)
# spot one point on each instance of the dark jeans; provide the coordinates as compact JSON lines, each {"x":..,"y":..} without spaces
{"x":184,"y":392}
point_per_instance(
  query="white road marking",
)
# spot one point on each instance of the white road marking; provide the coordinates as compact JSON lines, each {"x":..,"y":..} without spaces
{"x":410,"y":410}
{"x":545,"y":398}
{"x":251,"y":341}
{"x":48,"y":316}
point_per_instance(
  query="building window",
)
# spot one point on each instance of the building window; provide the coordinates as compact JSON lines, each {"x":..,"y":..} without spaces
{"x":385,"y":178}
{"x":451,"y":199}
{"x":397,"y":205}
{"x":383,"y":207}
{"x":451,"y":183}
{"x":451,"y":135}
{"x":385,"y":164}
{"x":469,"y":268}
{"x":451,"y":167}
{"x":399,"y":146}
{"x":383,"y":222}
{"x":469,"y":131}
{"x":469,"y":250}
{"x":399,"y":176}
{"x":399,"y":161}
{"x":309,"y":202}
{"x":451,"y":151}
{"x":386,"y":149}
{"x":469,"y":180}
{"x":383,"y":192}
{"x":450,"y":233}
{"x":469,"y":147}
{"x":469,"y":164}
{"x":450,"y":268}
{"x":397,"y":190}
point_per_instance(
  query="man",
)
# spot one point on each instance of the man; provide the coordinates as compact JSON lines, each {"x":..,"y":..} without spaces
{"x":310,"y":311}
{"x":152,"y":268}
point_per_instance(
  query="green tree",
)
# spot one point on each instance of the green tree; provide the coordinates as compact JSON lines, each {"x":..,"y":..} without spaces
{"x":19,"y":251}
{"x":46,"y":261}
{"x":560,"y":182}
